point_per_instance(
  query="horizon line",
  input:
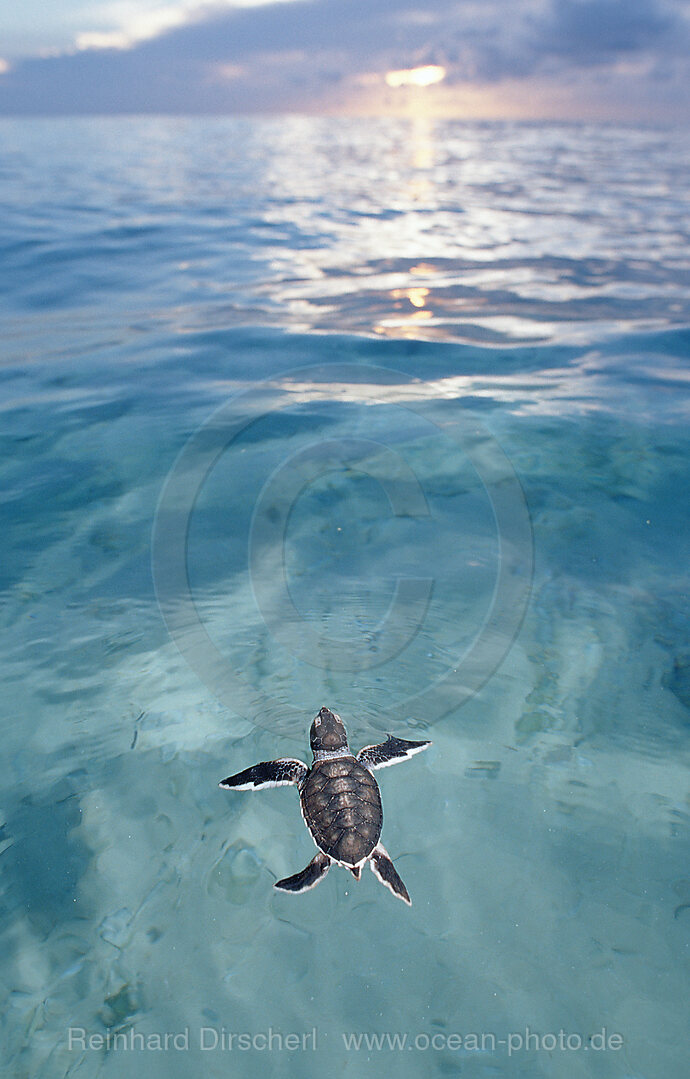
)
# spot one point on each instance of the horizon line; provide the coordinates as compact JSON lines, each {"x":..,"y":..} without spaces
{"x":381,"y":114}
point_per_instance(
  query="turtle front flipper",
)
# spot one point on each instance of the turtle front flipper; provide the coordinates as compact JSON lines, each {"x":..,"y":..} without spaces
{"x":384,"y":870}
{"x":267,"y":774}
{"x":308,"y":878}
{"x":391,"y":751}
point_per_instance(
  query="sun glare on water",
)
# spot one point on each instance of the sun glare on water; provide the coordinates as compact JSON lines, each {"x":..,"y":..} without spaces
{"x":416,"y":76}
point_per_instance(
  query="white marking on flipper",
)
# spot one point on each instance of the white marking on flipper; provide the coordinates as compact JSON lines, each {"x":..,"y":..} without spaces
{"x":298,"y":768}
{"x":258,"y":786}
{"x":280,"y":884}
{"x":396,"y":758}
{"x":402,"y":757}
{"x":381,"y":850}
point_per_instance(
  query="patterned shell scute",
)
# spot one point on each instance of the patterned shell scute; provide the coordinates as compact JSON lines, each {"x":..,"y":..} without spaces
{"x":342,"y":808}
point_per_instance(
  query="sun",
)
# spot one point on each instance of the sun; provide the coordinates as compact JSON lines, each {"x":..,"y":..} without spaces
{"x":416,"y":76}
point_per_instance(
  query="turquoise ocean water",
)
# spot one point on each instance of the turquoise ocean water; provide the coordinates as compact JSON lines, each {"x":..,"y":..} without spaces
{"x":386,"y":416}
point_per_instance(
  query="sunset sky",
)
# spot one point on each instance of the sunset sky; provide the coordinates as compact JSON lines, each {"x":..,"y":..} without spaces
{"x":623,"y":60}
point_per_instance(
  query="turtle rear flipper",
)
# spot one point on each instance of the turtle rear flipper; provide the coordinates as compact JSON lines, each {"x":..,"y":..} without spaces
{"x":308,"y":878}
{"x":384,"y":870}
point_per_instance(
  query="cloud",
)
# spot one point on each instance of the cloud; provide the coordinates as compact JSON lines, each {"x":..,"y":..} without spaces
{"x":316,"y":55}
{"x":136,"y":26}
{"x":593,"y":30}
{"x":123,"y":23}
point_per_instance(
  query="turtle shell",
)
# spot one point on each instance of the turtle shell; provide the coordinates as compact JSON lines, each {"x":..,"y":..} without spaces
{"x":341,"y":805}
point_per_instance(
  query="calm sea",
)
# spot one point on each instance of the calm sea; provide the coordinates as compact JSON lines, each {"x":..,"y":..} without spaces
{"x":387,"y":416}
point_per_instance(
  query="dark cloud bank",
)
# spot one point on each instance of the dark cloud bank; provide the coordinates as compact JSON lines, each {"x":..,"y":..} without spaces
{"x":306,"y":55}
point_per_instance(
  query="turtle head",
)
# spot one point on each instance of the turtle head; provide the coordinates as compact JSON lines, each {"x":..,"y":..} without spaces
{"x":327,"y":732}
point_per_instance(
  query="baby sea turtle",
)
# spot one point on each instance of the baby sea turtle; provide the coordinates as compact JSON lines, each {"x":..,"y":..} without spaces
{"x":340,"y":801}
